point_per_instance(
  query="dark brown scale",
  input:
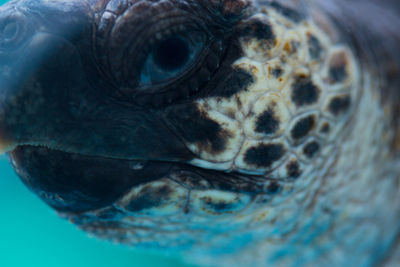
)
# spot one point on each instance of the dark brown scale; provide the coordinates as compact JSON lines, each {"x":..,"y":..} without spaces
{"x":143,"y":202}
{"x":264,"y":155}
{"x":311,"y":149}
{"x":258,"y":29}
{"x":325,"y":128}
{"x":236,"y":81}
{"x":219,"y":206}
{"x":267,"y":122}
{"x":149,"y":197}
{"x":303,"y":127}
{"x":304,"y":92}
{"x":195,"y":127}
{"x":277,"y":72}
{"x":293,"y":169}
{"x":339,"y":105}
{"x":274,"y":188}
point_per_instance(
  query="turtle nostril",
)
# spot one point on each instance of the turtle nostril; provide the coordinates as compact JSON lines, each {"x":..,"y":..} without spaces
{"x":10,"y":31}
{"x":14,"y":31}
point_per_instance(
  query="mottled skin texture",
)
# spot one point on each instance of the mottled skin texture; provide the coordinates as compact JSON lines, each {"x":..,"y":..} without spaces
{"x":236,"y":132}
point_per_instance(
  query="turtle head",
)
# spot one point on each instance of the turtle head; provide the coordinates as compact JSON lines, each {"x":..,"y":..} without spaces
{"x":165,"y":123}
{"x":186,"y":108}
{"x":83,"y":84}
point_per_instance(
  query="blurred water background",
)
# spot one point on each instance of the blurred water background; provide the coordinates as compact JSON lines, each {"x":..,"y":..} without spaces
{"x":31,"y":234}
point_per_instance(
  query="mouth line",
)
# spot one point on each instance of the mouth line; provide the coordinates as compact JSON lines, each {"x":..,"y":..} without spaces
{"x":71,"y":182}
{"x":58,"y":148}
{"x":136,"y":163}
{"x":139,"y":164}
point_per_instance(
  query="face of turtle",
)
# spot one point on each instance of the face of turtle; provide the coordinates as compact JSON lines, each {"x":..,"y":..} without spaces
{"x":155,"y":122}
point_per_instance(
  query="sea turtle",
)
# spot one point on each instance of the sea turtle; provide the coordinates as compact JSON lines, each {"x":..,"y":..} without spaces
{"x":234,"y":131}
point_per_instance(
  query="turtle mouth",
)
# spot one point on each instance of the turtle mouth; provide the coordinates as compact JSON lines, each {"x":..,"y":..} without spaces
{"x":72,"y":182}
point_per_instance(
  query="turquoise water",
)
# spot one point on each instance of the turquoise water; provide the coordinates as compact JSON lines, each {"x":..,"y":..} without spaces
{"x":31,"y":234}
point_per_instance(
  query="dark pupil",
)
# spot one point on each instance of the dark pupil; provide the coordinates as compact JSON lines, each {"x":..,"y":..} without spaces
{"x":171,"y":54}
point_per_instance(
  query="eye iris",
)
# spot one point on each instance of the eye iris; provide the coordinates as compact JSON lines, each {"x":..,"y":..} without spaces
{"x":171,"y":54}
{"x":171,"y":58}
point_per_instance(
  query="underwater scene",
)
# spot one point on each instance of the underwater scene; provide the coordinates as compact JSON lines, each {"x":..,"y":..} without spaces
{"x":200,"y":133}
{"x":31,"y":234}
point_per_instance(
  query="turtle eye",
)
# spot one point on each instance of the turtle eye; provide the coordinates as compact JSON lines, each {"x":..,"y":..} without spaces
{"x":171,"y":57}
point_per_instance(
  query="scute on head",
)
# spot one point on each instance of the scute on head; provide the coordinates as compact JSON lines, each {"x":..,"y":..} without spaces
{"x":287,"y":95}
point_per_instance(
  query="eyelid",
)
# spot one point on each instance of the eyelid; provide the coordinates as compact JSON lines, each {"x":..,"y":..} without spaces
{"x":196,"y":48}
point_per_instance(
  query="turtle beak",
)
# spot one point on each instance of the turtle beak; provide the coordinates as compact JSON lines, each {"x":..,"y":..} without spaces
{"x":7,"y":103}
{"x":51,"y":94}
{"x":6,"y":142}
{"x":47,"y":100}
{"x":22,"y":97}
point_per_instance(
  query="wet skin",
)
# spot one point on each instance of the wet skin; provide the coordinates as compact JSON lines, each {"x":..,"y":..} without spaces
{"x":121,"y":114}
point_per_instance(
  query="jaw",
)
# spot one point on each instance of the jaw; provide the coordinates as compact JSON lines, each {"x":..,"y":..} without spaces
{"x":75,"y":183}
{"x":117,"y":199}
